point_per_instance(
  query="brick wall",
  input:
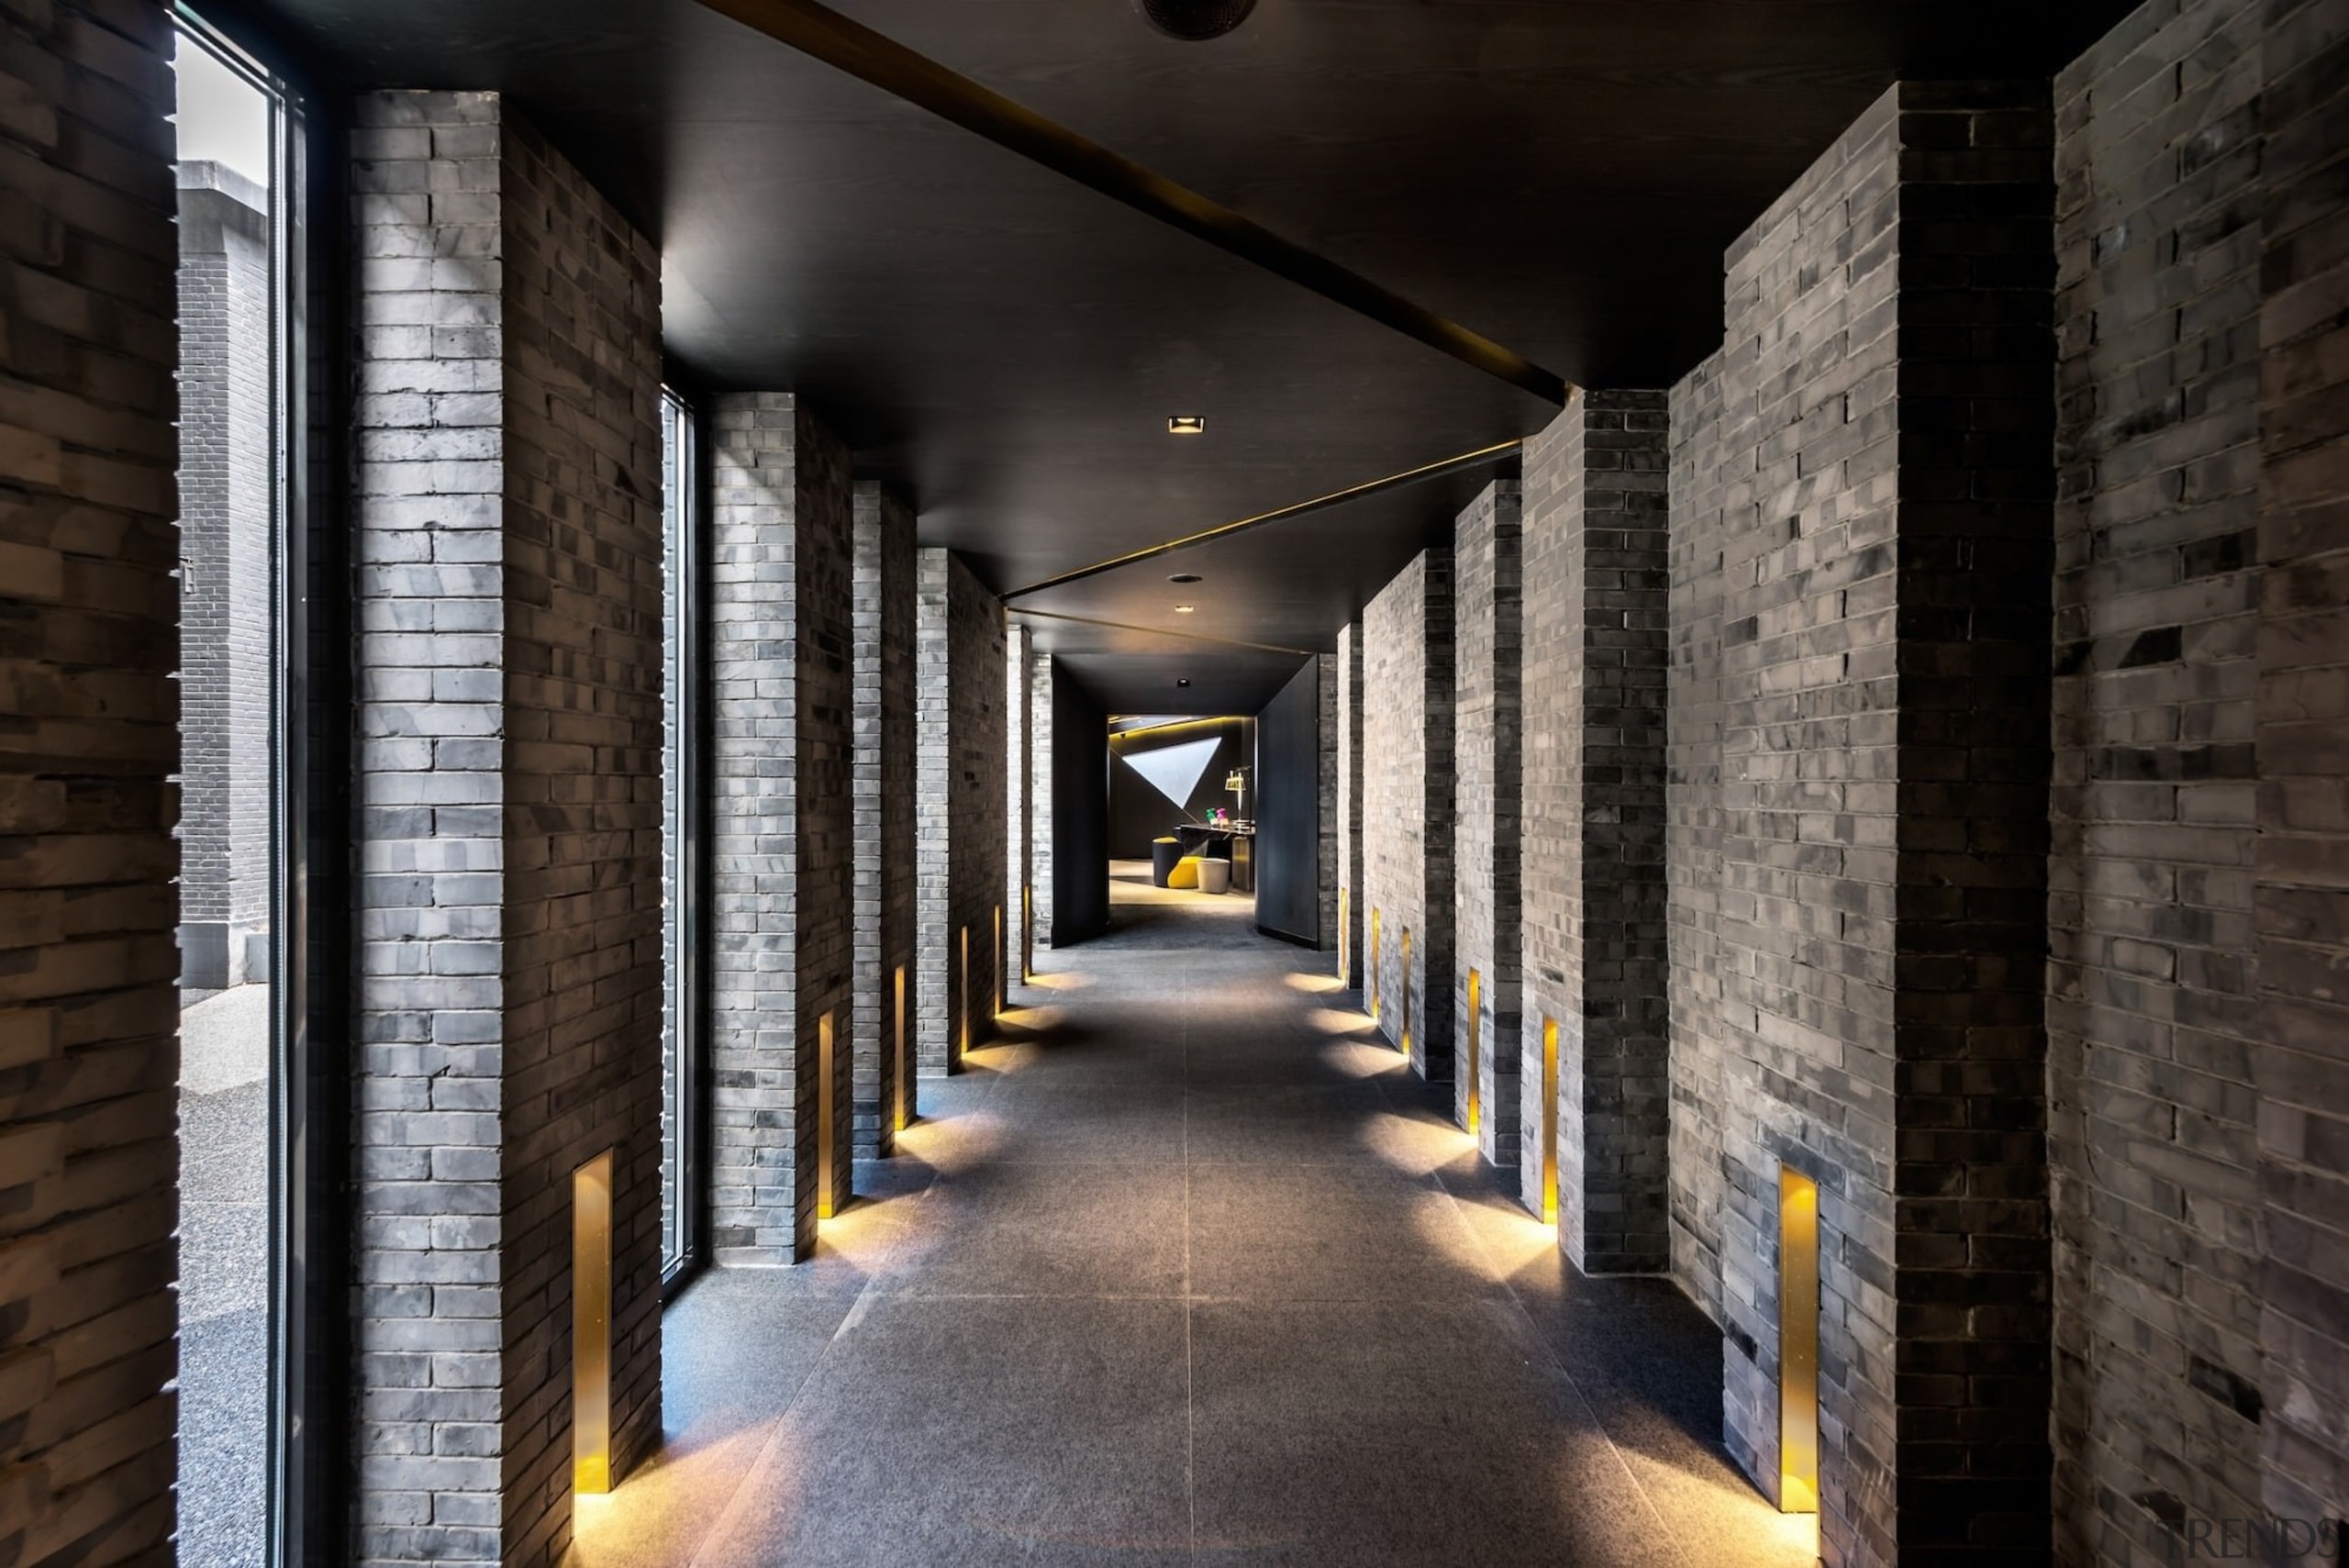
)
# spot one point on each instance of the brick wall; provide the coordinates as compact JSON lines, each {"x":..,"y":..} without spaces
{"x":1597,"y":647}
{"x":1325,"y":790}
{"x":1884,"y":502}
{"x":1018,"y":773}
{"x":885,"y":809}
{"x":226,"y":538}
{"x":88,"y":1008}
{"x":782,"y":695}
{"x":1355,"y":914}
{"x":1694,"y":996}
{"x":1040,"y":794}
{"x":2302,"y":900}
{"x":509,"y":608}
{"x":2153,"y":1018}
{"x":2195,"y":901}
{"x":1488,"y":789}
{"x":963,"y":851}
{"x":1407,"y":805}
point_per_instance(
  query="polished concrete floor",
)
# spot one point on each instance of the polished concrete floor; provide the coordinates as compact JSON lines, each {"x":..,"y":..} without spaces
{"x":1185,"y":1269}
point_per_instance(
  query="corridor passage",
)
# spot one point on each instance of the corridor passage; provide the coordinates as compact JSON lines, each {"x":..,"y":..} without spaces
{"x":1186,"y":1269}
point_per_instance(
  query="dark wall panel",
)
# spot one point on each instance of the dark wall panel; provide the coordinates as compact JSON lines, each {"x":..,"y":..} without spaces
{"x":1288,"y":810}
{"x":1138,"y":812}
{"x":1080,"y":812}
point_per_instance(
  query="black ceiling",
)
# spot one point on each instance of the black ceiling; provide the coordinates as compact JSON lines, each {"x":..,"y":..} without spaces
{"x":1560,"y":175}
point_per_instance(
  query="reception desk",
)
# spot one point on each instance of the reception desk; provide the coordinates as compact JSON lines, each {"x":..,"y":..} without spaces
{"x":1237,"y":845}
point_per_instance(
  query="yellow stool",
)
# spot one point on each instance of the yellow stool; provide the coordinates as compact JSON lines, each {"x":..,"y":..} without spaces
{"x":1185,"y":873}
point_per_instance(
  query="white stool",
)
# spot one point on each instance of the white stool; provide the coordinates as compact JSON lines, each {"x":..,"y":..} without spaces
{"x":1215,"y":876}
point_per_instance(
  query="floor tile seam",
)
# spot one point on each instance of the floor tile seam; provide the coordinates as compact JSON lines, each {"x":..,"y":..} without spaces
{"x":727,"y":1514}
{"x":1598,"y":1422}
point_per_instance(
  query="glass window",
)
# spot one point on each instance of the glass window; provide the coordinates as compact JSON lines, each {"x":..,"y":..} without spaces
{"x":233,"y":132}
{"x":680,"y":858}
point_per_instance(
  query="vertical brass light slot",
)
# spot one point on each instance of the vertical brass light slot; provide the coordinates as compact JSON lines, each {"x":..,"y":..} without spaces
{"x":591,"y":1325}
{"x":1476,"y":1042}
{"x":827,"y":1121}
{"x":1345,"y":979}
{"x":963,"y":997}
{"x":1549,"y":1120}
{"x":999,"y":962}
{"x":1371,"y":982}
{"x":898,"y":1044}
{"x":1798,"y":1342}
{"x":1027,"y":933}
{"x":1403,"y":1036}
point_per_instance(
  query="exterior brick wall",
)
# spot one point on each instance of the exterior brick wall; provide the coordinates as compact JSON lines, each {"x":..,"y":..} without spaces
{"x":1040,"y":794}
{"x":88,"y":1008}
{"x":509,"y":607}
{"x":1694,"y":996}
{"x":2302,"y":901}
{"x":1487,"y":696}
{"x":2194,"y":1052}
{"x":226,"y":542}
{"x":1325,"y":788}
{"x":1354,"y":915}
{"x":1019,"y":774}
{"x":782,"y":927}
{"x":1407,"y":808}
{"x":884,"y":811}
{"x":2152,"y":1016}
{"x":1595,"y":591}
{"x":1884,"y":505}
{"x":963,"y":851}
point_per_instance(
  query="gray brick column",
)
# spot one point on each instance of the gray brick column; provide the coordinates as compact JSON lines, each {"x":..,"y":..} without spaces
{"x":1327,"y":848}
{"x":1884,"y":523}
{"x":88,"y":1009}
{"x":960,"y":736}
{"x":1019,"y":780}
{"x":1596,"y":594}
{"x":782,"y":692}
{"x":1408,"y":811}
{"x":1040,"y":793}
{"x":509,"y":558}
{"x":1353,"y":917}
{"x":1489,"y":784}
{"x":883,"y":631}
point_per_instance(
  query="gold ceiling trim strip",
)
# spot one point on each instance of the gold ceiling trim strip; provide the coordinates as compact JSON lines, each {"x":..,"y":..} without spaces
{"x":1494,"y":453}
{"x":1164,"y":631}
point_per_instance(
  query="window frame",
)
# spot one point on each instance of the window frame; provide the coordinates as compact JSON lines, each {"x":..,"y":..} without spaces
{"x":685,"y":962}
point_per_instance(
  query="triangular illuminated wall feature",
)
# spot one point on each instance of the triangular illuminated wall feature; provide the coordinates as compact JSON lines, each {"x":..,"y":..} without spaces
{"x":1173,"y":771}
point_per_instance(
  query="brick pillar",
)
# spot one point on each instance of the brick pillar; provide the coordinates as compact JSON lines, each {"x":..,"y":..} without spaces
{"x":2302,"y":901}
{"x":1352,"y":919}
{"x":1595,"y":650}
{"x":88,"y":1010}
{"x":1328,"y":838}
{"x":1019,"y":778}
{"x":1039,"y":796}
{"x":884,"y":630}
{"x":1407,"y":806}
{"x":509,"y":559}
{"x":1884,"y":500}
{"x":781,"y":921}
{"x":1486,"y":539}
{"x":1693,"y":836}
{"x":960,"y":735}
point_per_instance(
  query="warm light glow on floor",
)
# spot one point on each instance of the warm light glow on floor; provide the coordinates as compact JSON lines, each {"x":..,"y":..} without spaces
{"x":1301,"y":981}
{"x":1341,"y":1021}
{"x":1061,"y":980}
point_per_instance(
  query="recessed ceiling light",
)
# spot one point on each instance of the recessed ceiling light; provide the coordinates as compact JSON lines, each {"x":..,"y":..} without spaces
{"x":1186,"y":425}
{"x":1184,"y":577}
{"x":1182,"y":680}
{"x":1185,"y":609}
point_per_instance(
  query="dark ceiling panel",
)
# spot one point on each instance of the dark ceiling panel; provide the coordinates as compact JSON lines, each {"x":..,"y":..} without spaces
{"x":1561,"y":175}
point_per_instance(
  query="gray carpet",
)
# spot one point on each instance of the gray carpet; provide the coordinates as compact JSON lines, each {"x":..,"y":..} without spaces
{"x":1185,"y":1269}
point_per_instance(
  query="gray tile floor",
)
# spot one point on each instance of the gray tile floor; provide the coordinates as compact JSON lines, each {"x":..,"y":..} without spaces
{"x":1186,"y":1269}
